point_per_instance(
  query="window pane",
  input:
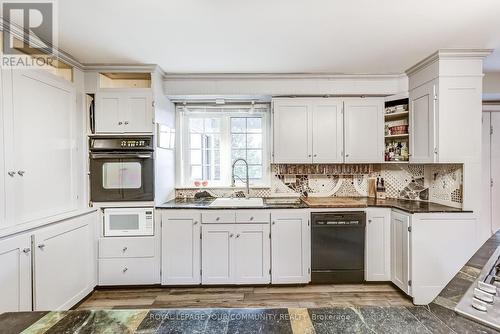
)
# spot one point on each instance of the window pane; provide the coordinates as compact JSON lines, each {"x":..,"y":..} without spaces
{"x":195,"y":140}
{"x":238,"y":125}
{"x":254,"y":141}
{"x":195,"y":172}
{"x":196,"y":125}
{"x":254,"y":124}
{"x":238,"y":154}
{"x":239,"y":170}
{"x":212,"y":125}
{"x":254,"y":157}
{"x":255,"y":172}
{"x":238,"y":141}
{"x":195,"y":157}
{"x":212,"y":141}
{"x":211,"y":157}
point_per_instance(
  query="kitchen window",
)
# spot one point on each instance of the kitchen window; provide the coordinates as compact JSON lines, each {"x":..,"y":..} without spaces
{"x":213,"y":138}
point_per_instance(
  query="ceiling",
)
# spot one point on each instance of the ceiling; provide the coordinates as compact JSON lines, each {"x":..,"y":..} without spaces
{"x":276,"y":36}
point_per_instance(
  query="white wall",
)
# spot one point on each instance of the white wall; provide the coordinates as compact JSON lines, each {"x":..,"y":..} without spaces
{"x":491,"y":86}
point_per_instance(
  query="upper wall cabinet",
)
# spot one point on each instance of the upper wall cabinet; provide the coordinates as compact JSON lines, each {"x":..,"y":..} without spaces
{"x":40,"y":145}
{"x":312,"y":130}
{"x":124,"y":111}
{"x":364,"y":136}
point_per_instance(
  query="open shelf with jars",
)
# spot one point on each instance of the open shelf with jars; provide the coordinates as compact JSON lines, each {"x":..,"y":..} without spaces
{"x":396,"y":130}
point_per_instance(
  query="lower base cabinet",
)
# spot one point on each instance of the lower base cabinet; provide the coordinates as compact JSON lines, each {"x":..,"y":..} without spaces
{"x":400,"y":251}
{"x":235,"y":254}
{"x":290,"y":247}
{"x":378,"y":245}
{"x":15,"y":274}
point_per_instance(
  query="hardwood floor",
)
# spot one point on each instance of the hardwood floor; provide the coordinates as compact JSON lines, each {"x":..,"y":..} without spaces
{"x":309,"y":296}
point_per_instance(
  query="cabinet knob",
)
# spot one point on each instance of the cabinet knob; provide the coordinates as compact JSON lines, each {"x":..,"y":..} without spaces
{"x":11,"y":174}
{"x":251,"y":218}
{"x":309,"y":155}
{"x":315,"y":155}
{"x":195,"y":223}
{"x":217,"y":219}
{"x":125,"y":249}
{"x":125,"y":269}
{"x":273,"y":223}
{"x":21,"y":172}
{"x":237,"y":235}
{"x":41,"y":246}
{"x":126,"y":122}
{"x":120,"y":123}
{"x":347,"y":155}
{"x":26,"y":250}
{"x":231,"y":235}
{"x":369,"y":220}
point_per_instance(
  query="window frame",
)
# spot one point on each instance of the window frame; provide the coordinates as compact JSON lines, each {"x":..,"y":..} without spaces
{"x":225,"y":113}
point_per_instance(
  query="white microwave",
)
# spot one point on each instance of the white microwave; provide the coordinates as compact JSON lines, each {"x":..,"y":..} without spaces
{"x":130,"y":222}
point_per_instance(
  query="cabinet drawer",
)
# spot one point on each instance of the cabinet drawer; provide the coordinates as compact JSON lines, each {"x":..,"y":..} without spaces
{"x":126,"y":247}
{"x":253,"y":216}
{"x":129,"y":271}
{"x":218,"y":217}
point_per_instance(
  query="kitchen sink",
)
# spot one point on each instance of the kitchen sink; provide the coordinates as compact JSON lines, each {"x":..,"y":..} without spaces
{"x":237,"y":202}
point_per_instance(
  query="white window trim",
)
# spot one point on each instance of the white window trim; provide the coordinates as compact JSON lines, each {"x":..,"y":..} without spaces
{"x":182,"y":149}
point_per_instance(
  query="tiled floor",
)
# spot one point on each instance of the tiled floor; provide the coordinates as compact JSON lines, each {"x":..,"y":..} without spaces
{"x":310,"y":296}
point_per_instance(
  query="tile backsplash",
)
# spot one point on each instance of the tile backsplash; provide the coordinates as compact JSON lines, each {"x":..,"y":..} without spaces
{"x":436,"y":183}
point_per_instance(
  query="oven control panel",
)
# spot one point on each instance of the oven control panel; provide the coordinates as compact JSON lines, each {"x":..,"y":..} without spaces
{"x":103,"y":143}
{"x":134,"y":143}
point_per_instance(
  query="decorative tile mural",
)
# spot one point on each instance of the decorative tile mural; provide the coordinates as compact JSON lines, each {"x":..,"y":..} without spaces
{"x":436,"y":183}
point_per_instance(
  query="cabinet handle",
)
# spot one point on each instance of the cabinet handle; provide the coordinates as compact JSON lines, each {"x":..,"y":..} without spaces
{"x":125,"y":269}
{"x":11,"y":174}
{"x":41,"y":246}
{"x":26,"y":250}
{"x":237,"y":235}
{"x":195,"y":223}
{"x":347,"y":155}
{"x":231,"y":235}
{"x":21,"y":172}
{"x":251,"y":218}
{"x":309,"y":155}
{"x":120,"y":123}
{"x":315,"y":155}
{"x":274,"y":223}
{"x":369,"y":220}
{"x":217,"y":219}
{"x":125,"y":249}
{"x":126,"y":122}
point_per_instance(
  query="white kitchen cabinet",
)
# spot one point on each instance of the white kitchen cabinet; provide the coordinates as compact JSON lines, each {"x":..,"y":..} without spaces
{"x":15,"y":274}
{"x":378,"y":245}
{"x":400,"y":251}
{"x":128,"y":271}
{"x":290,"y":247}
{"x":64,"y":263}
{"x":124,"y":111}
{"x":3,"y":171}
{"x":364,"y":130}
{"x":181,"y":247}
{"x":327,"y":131}
{"x":251,"y":254}
{"x":217,"y":257}
{"x":292,"y":133}
{"x":423,"y":113}
{"x":39,"y":147}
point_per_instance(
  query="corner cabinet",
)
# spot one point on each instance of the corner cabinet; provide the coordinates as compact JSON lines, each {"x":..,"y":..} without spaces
{"x":328,"y":130}
{"x":378,"y":245}
{"x":400,"y":251}
{"x":124,"y":111}
{"x":290,"y":247}
{"x":15,"y":275}
{"x":181,"y":247}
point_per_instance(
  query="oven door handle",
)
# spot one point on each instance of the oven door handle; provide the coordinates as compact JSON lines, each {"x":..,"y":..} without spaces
{"x":121,"y":155}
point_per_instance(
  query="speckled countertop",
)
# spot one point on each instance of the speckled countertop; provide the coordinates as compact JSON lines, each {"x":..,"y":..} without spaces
{"x":403,"y":205}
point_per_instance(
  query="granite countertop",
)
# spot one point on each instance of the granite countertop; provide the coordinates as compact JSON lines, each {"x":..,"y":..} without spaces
{"x":400,"y":204}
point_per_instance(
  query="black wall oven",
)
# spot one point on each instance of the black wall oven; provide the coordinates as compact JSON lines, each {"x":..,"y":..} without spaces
{"x":121,"y":169}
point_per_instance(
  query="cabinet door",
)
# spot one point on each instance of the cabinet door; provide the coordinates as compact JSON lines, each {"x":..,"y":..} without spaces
{"x":378,"y":245}
{"x":290,"y":247}
{"x":327,"y":131}
{"x":400,"y":245}
{"x":108,"y":117}
{"x":15,"y":275}
{"x":4,"y":166}
{"x":64,"y":263}
{"x":292,"y":131}
{"x":495,"y":171}
{"x":138,"y":112}
{"x":251,"y":254}
{"x":364,"y":130}
{"x":423,"y":113}
{"x":217,"y":253}
{"x":181,"y":247}
{"x":44,"y":155}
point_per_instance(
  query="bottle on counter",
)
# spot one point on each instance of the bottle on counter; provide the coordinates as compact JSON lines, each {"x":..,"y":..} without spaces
{"x":380,"y":188}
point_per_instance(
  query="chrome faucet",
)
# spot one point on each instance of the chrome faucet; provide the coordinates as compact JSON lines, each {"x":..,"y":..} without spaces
{"x":233,"y":181}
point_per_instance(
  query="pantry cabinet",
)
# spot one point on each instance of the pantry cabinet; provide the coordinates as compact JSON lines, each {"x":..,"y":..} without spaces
{"x":378,"y":245}
{"x":235,"y":254}
{"x":364,"y":124}
{"x":400,"y":251}
{"x":64,"y":263}
{"x":15,"y":274}
{"x":290,"y":247}
{"x":181,"y":247}
{"x":124,"y":111}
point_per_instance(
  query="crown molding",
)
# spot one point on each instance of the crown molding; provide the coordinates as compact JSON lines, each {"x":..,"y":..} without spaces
{"x":449,"y":54}
{"x":277,"y":76}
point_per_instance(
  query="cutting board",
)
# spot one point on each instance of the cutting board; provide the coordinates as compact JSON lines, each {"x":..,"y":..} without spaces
{"x":334,"y":202}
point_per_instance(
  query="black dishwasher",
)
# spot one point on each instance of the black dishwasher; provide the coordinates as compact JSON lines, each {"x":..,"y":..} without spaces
{"x":338,"y":247}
